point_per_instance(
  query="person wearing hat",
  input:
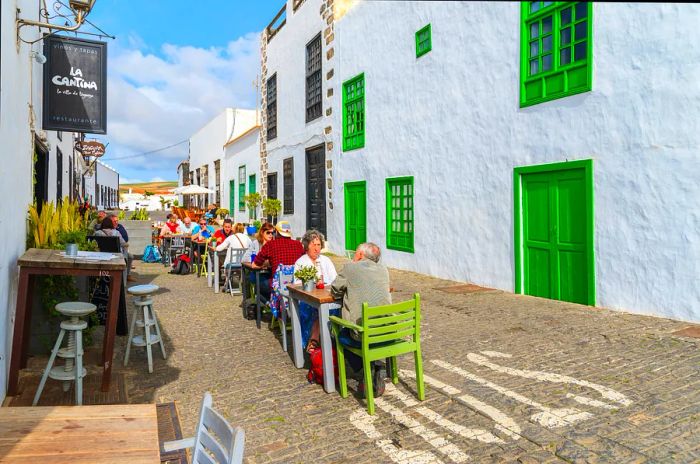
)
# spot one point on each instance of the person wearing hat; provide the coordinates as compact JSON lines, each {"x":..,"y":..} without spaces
{"x":281,"y":250}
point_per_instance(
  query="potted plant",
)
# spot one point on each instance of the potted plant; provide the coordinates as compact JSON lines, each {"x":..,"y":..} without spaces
{"x":271,"y":208}
{"x":252,"y":201}
{"x":222,"y":213}
{"x":308,"y":276}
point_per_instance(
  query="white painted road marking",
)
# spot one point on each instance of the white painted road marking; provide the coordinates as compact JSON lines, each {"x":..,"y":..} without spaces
{"x":548,"y":417}
{"x":607,"y":393}
{"x":504,"y":423}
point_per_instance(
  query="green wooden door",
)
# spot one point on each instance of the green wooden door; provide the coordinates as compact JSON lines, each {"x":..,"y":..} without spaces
{"x":557,"y":242}
{"x":251,"y":184}
{"x":232,"y":196}
{"x":355,"y":214}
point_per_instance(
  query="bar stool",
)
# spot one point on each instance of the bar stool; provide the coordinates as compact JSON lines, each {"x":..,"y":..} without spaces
{"x":72,"y":353}
{"x":144,"y":317}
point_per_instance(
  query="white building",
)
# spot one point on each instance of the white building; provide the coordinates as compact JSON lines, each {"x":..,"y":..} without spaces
{"x":206,"y":150}
{"x":242,"y":168}
{"x":106,"y":181}
{"x":295,"y":153}
{"x":37,"y":166}
{"x":158,"y":202}
{"x":542,"y":149}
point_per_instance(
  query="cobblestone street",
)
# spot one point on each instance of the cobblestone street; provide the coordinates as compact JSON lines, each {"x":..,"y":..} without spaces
{"x":508,"y":379}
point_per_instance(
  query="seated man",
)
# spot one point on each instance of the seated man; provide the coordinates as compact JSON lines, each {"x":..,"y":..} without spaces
{"x":362,"y":280}
{"x":122,"y":231}
{"x":225,"y":232}
{"x":187,"y":227}
{"x":281,"y":250}
{"x":202,"y":231}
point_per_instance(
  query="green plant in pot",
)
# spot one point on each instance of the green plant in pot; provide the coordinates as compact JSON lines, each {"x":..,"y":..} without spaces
{"x":252,"y":201}
{"x":271,"y":208}
{"x":222,"y":212}
{"x":308,"y":276}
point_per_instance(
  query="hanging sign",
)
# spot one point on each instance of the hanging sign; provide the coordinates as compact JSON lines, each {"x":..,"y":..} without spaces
{"x":75,"y":85}
{"x":90,"y":148}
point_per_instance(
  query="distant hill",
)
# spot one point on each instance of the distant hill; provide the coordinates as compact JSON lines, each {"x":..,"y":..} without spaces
{"x":158,"y":188}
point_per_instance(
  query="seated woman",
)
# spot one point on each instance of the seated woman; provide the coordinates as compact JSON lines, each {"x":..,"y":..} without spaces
{"x":264,"y":235}
{"x":211,"y":211}
{"x":313,"y":242}
{"x":107,"y":230}
{"x":238,"y":240}
{"x":171,"y":226}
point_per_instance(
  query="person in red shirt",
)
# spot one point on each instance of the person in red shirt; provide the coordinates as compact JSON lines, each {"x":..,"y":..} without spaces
{"x":223,"y":233}
{"x":281,"y":250}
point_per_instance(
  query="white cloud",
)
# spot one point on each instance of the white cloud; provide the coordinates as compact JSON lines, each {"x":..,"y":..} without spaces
{"x":158,"y":100}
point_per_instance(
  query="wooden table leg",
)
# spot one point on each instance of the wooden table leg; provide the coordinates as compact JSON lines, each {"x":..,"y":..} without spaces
{"x":19,"y":332}
{"x":28,"y":319}
{"x":115,"y":282}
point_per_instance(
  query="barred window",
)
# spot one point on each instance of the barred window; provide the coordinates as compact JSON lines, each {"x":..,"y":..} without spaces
{"x":314,"y":106}
{"x":288,"y":184}
{"x":271,"y":109}
{"x":241,"y":188}
{"x":399,"y":213}
{"x":354,"y":113}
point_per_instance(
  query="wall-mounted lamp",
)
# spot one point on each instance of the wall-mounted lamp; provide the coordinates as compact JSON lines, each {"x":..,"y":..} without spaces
{"x":79,"y":9}
{"x":38,"y":57}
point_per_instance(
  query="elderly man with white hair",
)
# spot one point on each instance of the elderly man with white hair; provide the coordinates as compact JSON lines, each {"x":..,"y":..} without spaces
{"x":362,"y":280}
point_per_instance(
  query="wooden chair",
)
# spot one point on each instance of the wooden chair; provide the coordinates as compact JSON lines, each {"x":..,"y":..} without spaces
{"x":215,"y":441}
{"x":385,"y":331}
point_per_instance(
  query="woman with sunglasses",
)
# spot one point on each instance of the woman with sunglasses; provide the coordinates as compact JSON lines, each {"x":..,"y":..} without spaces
{"x":264,"y":235}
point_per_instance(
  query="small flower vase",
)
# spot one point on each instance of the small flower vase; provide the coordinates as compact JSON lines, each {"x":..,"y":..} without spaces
{"x":309,"y":286}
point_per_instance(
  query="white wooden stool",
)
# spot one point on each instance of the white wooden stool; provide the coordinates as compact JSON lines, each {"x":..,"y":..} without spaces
{"x":144,"y":316}
{"x":72,"y":353}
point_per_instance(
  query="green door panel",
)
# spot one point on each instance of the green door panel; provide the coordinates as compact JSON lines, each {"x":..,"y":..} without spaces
{"x":251,"y":184}
{"x":556,"y":226}
{"x":231,"y":196}
{"x":355,"y":214}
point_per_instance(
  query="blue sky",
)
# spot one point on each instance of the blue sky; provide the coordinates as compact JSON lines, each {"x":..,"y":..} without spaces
{"x":173,"y":66}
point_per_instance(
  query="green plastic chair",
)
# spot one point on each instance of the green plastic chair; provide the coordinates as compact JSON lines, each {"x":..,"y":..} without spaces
{"x":387,"y":331}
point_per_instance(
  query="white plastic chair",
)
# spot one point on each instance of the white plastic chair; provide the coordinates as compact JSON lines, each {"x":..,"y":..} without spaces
{"x":234,"y":256}
{"x":215,"y":440}
{"x":285,"y":280}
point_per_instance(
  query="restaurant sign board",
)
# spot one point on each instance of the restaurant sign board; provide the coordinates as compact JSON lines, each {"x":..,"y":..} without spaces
{"x":75,"y":85}
{"x":90,"y":148}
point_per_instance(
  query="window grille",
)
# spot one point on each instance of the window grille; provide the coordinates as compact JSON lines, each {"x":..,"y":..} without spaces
{"x":271,"y":109}
{"x":288,"y":184}
{"x":241,"y":188}
{"x":314,"y":106}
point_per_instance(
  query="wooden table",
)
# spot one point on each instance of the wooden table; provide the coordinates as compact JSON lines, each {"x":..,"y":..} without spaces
{"x":247,"y":268}
{"x":37,"y":261}
{"x":80,"y":434}
{"x":322,"y":300}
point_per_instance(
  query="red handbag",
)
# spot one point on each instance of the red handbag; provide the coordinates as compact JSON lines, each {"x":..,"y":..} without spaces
{"x":315,"y":374}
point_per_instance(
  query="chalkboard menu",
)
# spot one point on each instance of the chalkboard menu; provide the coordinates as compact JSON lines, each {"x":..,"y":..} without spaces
{"x":75,"y":85}
{"x":100,"y":298}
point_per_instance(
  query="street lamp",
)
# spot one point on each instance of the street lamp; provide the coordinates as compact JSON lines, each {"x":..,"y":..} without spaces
{"x":79,"y":8}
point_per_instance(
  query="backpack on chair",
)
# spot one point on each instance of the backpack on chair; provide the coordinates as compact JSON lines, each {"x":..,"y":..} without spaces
{"x":181,"y":265}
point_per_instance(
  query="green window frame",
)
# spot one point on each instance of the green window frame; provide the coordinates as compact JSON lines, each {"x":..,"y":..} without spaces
{"x":424,"y":40}
{"x":399,"y":213}
{"x":241,"y":188}
{"x":354,"y":113}
{"x":252,"y":184}
{"x":556,"y":52}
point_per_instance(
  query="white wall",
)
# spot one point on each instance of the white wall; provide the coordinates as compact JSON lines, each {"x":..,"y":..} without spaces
{"x":206,"y":145}
{"x":106,"y":176}
{"x":66,"y":147}
{"x":286,"y":56}
{"x":17,"y":146}
{"x":451,"y":119}
{"x":244,"y":151}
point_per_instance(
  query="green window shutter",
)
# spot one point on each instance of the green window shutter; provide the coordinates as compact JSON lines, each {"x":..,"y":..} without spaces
{"x":241,"y":188}
{"x":399,"y":213}
{"x":424,"y":41}
{"x":556,"y":52}
{"x":251,"y":184}
{"x":354,"y":113}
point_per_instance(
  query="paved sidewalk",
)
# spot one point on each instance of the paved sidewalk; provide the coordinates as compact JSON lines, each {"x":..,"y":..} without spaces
{"x":510,"y":379}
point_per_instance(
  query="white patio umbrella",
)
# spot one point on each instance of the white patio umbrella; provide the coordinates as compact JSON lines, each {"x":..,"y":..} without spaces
{"x":192,"y":190}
